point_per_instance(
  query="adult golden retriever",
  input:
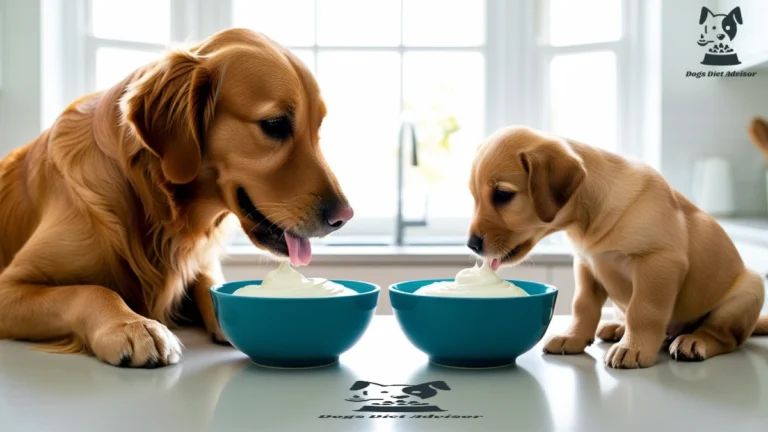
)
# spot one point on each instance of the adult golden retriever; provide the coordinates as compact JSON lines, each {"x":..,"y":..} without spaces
{"x":669,"y":268}
{"x":114,"y":214}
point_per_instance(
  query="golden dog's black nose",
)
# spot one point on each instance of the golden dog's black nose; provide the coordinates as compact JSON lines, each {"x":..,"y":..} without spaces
{"x":336,"y":214}
{"x":475,"y":243}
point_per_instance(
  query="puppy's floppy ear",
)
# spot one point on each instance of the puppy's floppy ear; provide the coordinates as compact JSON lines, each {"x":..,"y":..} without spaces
{"x":359,"y":385}
{"x":554,"y":174}
{"x":440,"y":385}
{"x":736,"y":14}
{"x":704,"y":13}
{"x":171,"y":108}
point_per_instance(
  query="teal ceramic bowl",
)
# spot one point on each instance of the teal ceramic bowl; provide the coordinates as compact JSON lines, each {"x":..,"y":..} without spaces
{"x":473,"y":332}
{"x":294,"y":332}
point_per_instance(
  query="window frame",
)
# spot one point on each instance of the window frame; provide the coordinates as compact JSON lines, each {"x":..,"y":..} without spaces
{"x":516,"y":69}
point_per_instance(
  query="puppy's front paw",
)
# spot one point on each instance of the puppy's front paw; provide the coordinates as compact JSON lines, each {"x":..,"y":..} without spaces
{"x":610,"y":331}
{"x":623,"y":356}
{"x":567,"y":344}
{"x":142,"y":343}
{"x":689,"y":348}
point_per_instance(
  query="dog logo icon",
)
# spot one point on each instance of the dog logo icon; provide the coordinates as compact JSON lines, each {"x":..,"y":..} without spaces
{"x":717,"y":33}
{"x":396,"y":397}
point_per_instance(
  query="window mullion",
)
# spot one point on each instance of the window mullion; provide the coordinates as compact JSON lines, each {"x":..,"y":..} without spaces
{"x":496,"y":105}
{"x":87,"y":46}
{"x":184,"y":20}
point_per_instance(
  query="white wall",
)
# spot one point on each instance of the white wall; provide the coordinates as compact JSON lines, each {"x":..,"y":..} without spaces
{"x":709,"y":116}
{"x":20,"y":89}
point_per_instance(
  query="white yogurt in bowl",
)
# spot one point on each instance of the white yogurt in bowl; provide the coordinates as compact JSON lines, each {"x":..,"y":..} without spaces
{"x":479,"y":282}
{"x":285,"y":282}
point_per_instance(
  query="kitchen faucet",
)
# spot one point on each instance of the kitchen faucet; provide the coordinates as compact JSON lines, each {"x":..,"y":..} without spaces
{"x":407,"y":129}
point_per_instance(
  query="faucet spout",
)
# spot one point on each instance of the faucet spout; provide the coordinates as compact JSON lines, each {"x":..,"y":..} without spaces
{"x":407,"y":129}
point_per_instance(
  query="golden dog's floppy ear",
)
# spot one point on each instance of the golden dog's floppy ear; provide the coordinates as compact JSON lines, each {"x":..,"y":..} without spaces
{"x":170,"y":109}
{"x":554,"y":174}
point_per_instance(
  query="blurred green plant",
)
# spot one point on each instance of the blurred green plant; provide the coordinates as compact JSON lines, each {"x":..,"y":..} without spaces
{"x":434,"y":129}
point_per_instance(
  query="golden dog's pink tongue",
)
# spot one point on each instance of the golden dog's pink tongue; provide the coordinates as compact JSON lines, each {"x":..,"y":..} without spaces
{"x":495,"y":263}
{"x":299,"y":250}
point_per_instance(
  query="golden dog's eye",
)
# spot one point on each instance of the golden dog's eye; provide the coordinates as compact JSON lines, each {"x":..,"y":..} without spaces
{"x":279,"y":128}
{"x":502,"y":196}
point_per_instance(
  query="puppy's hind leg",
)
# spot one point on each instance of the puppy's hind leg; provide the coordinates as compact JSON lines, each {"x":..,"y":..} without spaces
{"x":728,"y":325}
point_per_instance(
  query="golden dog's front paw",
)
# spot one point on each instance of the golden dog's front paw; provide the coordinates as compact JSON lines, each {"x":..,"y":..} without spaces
{"x":689,"y":348}
{"x":610,"y":331}
{"x":623,"y":356}
{"x":567,"y":344}
{"x":142,"y":343}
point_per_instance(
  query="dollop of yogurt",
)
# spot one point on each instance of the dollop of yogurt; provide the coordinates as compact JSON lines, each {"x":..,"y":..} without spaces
{"x":473,"y":282}
{"x":285,"y":282}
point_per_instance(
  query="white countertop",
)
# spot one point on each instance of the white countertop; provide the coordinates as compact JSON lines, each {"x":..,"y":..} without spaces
{"x":216,"y":388}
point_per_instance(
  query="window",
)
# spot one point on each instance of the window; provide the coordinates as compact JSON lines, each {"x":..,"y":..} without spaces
{"x":456,"y":69}
{"x":581,"y":49}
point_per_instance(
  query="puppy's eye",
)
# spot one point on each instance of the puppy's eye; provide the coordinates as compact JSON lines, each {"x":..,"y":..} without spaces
{"x":727,"y":27}
{"x":502,"y":196}
{"x":279,"y":128}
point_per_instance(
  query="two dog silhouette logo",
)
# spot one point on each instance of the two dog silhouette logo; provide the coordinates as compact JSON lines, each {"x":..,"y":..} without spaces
{"x":716,"y":34}
{"x":402,"y":398}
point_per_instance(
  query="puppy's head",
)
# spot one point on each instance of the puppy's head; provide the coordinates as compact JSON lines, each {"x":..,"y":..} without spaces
{"x":717,"y":27}
{"x":242,"y":114}
{"x":520,"y":181}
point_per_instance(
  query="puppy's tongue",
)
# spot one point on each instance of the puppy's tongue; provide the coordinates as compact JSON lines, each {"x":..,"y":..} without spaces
{"x":299,"y":250}
{"x":495,"y":263}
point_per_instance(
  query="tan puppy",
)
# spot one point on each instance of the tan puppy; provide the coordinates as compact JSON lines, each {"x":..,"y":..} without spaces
{"x":113,"y":215}
{"x":669,"y":267}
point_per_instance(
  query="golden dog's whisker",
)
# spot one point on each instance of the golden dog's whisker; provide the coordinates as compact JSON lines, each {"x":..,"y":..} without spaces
{"x":278,"y":221}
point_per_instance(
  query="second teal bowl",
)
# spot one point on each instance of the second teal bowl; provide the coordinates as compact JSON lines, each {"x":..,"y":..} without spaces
{"x":473,"y":332}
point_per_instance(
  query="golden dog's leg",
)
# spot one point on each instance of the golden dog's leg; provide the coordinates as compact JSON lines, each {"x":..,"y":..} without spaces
{"x":588,"y":304}
{"x":656,"y":281}
{"x":91,"y":315}
{"x":727,"y":326}
{"x":201,"y":292}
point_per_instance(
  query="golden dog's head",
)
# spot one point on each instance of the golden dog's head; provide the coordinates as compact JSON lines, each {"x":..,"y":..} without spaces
{"x":242,"y":113}
{"x":520,"y":181}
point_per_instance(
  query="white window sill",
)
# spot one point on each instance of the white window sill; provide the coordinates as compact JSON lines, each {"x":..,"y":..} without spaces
{"x":397,"y":255}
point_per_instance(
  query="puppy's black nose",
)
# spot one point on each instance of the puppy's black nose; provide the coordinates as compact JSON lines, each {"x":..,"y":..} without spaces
{"x":721,"y":36}
{"x":475,"y":243}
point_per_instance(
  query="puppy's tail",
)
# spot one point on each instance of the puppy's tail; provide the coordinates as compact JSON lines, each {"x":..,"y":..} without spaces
{"x":762,"y":326}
